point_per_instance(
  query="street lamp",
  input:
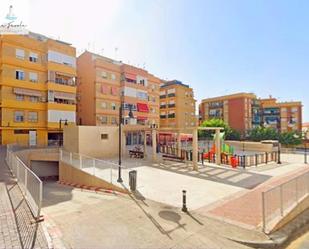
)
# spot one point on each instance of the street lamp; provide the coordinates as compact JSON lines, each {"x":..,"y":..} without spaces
{"x":119,"y":145}
{"x":65,"y":124}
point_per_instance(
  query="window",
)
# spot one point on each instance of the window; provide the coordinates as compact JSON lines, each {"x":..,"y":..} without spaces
{"x":113,"y":105}
{"x":104,"y":75}
{"x":61,"y":58}
{"x":34,"y":99}
{"x":33,"y":117}
{"x":142,"y":95}
{"x":104,"y":120}
{"x":20,"y":75}
{"x":113,"y":76}
{"x":113,"y":120}
{"x":103,"y":105}
{"x":33,"y":57}
{"x":20,"y":97}
{"x":19,"y":116}
{"x":104,"y":136}
{"x":33,"y":77}
{"x":20,"y":54}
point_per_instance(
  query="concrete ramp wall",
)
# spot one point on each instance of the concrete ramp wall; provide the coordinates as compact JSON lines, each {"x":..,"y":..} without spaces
{"x":69,"y":174}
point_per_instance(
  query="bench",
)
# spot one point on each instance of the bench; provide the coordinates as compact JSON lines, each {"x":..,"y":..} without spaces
{"x":136,"y":153}
{"x":173,"y":158}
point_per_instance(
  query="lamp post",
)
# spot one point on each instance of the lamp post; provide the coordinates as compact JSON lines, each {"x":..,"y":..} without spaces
{"x":65,"y":124}
{"x":305,"y":159}
{"x":119,"y":145}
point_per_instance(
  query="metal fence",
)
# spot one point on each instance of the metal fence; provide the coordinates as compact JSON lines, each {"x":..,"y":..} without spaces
{"x":280,"y":200}
{"x":108,"y":171}
{"x":240,"y":160}
{"x":29,"y":183}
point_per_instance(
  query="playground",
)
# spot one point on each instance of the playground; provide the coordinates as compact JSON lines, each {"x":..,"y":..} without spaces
{"x":208,"y":152}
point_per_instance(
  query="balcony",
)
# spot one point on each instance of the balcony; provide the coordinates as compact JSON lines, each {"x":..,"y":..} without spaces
{"x":171,"y":95}
{"x":162,"y":106}
{"x":171,"y":115}
{"x":162,"y":96}
{"x":162,"y":116}
{"x":171,"y":105}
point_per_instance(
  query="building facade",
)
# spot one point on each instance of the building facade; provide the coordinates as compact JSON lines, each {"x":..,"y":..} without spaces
{"x":104,"y":84}
{"x":177,"y":105}
{"x":37,"y":88}
{"x":244,"y":111}
{"x":237,"y":110}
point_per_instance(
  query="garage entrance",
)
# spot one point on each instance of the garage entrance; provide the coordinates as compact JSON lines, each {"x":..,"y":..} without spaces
{"x":46,"y":170}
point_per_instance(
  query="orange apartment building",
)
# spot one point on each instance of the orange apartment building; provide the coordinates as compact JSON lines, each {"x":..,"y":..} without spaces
{"x":104,"y":84}
{"x":37,"y":88}
{"x":243,"y":111}
{"x":177,"y":108}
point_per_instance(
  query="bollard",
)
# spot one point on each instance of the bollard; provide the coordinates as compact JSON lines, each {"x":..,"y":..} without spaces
{"x":266,"y":157}
{"x":191,"y":155}
{"x":256,"y":160}
{"x":184,"y":201}
{"x":244,"y":162}
{"x":203,"y":157}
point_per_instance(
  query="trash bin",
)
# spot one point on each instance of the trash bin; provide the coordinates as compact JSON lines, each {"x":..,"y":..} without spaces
{"x":132,"y":179}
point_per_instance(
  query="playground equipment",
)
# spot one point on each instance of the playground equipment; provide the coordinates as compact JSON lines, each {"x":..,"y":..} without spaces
{"x":227,"y":153}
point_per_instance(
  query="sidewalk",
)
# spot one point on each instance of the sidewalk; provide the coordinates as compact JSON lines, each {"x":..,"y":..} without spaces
{"x":17,"y":229}
{"x":246,"y":209}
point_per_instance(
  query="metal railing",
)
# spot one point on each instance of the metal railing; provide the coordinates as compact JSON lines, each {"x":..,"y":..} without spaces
{"x":105,"y":170}
{"x":29,"y":183}
{"x":278,"y":201}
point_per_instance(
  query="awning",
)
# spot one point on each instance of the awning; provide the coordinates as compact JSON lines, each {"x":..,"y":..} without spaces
{"x":142,"y":107}
{"x":63,"y":95}
{"x":27,"y":92}
{"x":130,"y":76}
{"x":141,"y":118}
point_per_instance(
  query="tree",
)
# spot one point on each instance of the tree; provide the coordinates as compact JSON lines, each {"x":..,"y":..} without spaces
{"x":291,"y":138}
{"x":230,"y":134}
{"x":259,"y":133}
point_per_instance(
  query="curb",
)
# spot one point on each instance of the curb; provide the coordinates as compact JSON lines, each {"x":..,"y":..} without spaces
{"x":282,"y":237}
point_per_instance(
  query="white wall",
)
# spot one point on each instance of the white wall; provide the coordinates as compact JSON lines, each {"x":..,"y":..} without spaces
{"x":55,"y":116}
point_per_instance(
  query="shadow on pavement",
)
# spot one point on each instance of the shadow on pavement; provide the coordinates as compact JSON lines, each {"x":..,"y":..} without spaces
{"x":237,"y":178}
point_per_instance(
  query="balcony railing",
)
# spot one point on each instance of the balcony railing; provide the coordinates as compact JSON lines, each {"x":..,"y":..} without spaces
{"x":162,"y":106}
{"x":171,"y":105}
{"x":171,"y":115}
{"x":162,"y":96}
{"x":171,"y":95}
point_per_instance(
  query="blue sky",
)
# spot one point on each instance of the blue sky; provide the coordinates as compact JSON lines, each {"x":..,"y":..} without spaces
{"x":217,"y":46}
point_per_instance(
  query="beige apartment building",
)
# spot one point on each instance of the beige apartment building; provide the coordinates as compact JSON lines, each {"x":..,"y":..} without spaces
{"x":244,"y":111}
{"x":177,"y":105}
{"x":104,"y":84}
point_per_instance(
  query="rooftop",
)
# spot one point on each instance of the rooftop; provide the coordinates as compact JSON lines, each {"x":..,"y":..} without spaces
{"x":174,"y":82}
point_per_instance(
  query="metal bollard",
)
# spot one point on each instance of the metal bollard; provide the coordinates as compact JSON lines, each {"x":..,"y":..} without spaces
{"x":256,"y":160}
{"x":266,"y":157}
{"x":184,"y":201}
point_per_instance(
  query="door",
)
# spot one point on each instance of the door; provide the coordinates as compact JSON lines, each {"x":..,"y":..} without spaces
{"x":32,"y":138}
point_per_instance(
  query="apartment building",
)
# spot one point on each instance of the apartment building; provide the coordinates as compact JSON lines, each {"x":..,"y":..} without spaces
{"x":243,"y":111}
{"x":37,"y":88}
{"x":235,"y":109}
{"x":177,"y":105}
{"x":104,"y":84}
{"x":283,"y":116}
